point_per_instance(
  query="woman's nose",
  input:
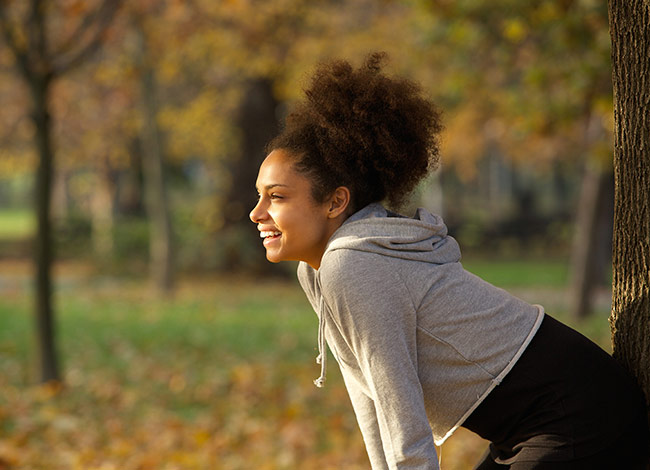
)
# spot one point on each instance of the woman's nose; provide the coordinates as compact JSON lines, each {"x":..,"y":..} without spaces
{"x":256,"y":214}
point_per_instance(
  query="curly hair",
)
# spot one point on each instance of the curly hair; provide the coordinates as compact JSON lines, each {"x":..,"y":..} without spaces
{"x":374,"y":134}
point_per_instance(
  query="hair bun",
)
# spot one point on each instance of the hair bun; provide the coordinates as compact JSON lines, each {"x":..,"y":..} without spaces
{"x":359,"y":128}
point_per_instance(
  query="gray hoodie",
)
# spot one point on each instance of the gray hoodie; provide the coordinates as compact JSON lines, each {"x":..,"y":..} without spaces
{"x":420,"y":341}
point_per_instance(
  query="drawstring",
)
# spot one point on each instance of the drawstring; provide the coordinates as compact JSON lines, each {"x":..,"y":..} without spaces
{"x":322,"y":346}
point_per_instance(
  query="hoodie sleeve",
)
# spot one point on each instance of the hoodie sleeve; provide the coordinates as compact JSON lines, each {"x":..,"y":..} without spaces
{"x":372,"y":309}
{"x":364,"y":409}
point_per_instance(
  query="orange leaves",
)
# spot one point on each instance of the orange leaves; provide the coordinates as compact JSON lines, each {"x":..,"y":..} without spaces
{"x":74,"y":8}
{"x":9,"y":455}
{"x":146,"y":389}
{"x":201,"y":125}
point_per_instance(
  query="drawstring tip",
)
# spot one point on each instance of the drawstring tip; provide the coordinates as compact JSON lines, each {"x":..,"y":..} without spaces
{"x":320,"y":382}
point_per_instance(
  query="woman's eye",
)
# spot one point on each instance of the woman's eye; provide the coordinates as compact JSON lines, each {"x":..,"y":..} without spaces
{"x":275,"y":196}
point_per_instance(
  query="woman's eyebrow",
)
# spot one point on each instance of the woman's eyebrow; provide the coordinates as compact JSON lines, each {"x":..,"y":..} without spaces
{"x":274,"y":185}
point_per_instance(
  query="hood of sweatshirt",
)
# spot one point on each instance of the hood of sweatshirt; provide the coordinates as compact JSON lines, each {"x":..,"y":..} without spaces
{"x":374,"y":229}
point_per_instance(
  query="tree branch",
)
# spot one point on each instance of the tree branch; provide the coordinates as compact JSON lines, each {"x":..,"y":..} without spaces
{"x":20,"y":53}
{"x":36,"y":31}
{"x":87,"y":21}
{"x":102,"y":19}
{"x":37,"y":53}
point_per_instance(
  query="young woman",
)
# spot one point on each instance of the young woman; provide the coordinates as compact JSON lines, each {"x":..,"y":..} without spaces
{"x":423,"y":345}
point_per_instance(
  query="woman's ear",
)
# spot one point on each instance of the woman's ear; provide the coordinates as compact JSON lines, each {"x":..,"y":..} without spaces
{"x":339,"y":202}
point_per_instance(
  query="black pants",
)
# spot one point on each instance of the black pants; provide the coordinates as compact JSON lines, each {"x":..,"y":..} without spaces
{"x":566,"y":404}
{"x":625,"y":454}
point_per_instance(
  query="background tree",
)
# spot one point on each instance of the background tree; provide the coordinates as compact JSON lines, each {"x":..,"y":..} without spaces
{"x":630,"y":318}
{"x":161,"y":245}
{"x":41,"y":57}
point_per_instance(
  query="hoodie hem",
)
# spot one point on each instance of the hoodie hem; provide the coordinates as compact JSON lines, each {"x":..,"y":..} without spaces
{"x":498,"y":379}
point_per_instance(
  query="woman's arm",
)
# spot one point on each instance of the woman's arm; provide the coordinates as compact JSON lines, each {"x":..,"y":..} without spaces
{"x":364,"y":409}
{"x":371,"y":307}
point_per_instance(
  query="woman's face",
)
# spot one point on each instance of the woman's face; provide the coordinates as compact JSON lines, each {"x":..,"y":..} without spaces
{"x":292,"y":225}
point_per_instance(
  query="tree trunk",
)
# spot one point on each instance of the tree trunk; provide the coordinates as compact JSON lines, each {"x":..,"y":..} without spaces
{"x":130,"y":191}
{"x":39,"y":68}
{"x":258,"y":121}
{"x":40,"y":87}
{"x":591,"y":241}
{"x":630,"y":318}
{"x":156,"y":199}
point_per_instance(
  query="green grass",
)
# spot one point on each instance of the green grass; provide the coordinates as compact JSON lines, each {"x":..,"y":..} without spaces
{"x":520,"y":273}
{"x":250,"y":320}
{"x":16,"y":223}
{"x":106,"y":327}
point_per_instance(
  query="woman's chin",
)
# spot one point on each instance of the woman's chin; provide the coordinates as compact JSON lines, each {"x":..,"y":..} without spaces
{"x":273,"y":257}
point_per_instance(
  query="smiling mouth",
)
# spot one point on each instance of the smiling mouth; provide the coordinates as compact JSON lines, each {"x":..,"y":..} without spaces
{"x":268,"y":235}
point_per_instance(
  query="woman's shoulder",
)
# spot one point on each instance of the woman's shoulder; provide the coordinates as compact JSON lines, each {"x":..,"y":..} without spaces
{"x":344,"y":267}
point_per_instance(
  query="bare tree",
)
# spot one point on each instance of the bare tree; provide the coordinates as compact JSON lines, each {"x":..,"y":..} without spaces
{"x":24,"y":26}
{"x":630,"y":319}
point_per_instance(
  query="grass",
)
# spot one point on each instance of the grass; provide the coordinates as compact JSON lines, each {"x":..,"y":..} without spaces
{"x":216,"y":377}
{"x":511,"y":273}
{"x":16,"y":224}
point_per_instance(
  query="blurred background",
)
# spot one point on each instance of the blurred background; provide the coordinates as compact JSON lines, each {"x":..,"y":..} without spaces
{"x":133,"y":285}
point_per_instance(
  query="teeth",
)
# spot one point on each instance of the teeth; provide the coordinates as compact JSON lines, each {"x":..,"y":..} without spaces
{"x":269,"y":234}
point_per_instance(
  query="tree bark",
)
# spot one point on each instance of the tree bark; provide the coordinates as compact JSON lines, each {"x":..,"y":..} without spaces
{"x":44,"y":256}
{"x":630,"y":318}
